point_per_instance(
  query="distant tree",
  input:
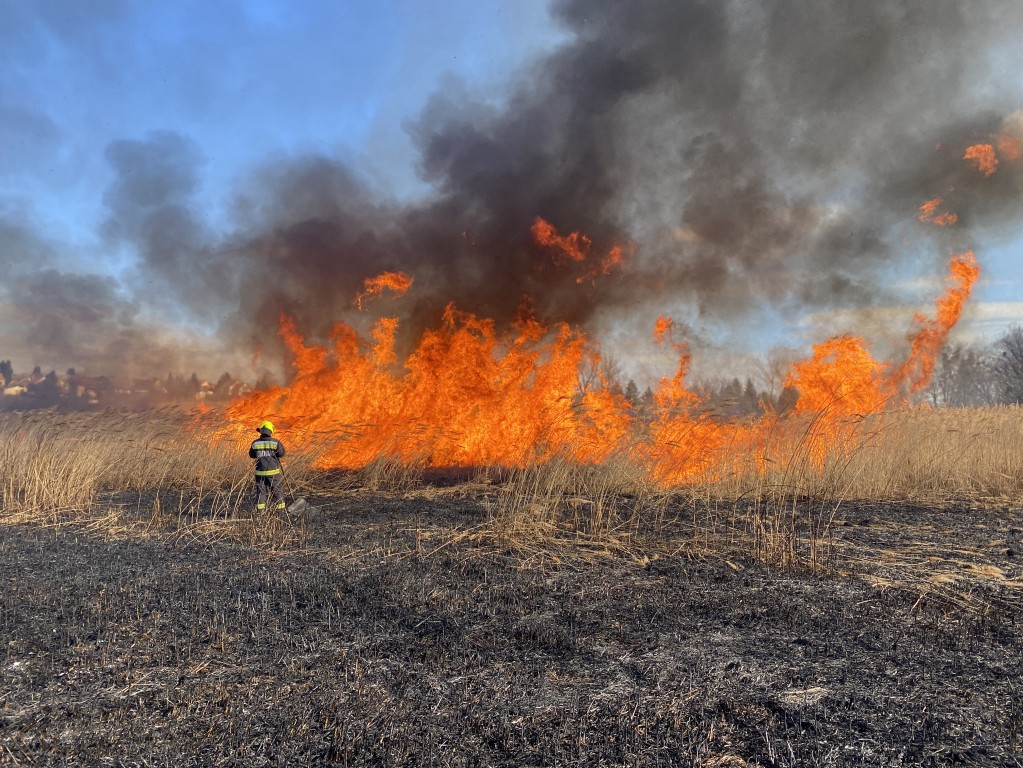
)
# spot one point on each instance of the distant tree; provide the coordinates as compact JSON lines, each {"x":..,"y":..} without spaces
{"x":222,"y":389}
{"x":733,"y":398}
{"x":7,"y":371}
{"x":611,"y":374}
{"x":775,"y":368}
{"x":787,"y":399}
{"x":632,"y":393}
{"x":37,"y":371}
{"x":71,"y":372}
{"x":964,"y":377}
{"x":599,"y":373}
{"x":729,"y":398}
{"x":48,"y":390}
{"x":178,"y":386}
{"x":751,"y":399}
{"x":646,"y":400}
{"x":1008,"y":365}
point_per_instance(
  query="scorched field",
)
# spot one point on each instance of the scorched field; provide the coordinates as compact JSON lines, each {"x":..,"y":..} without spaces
{"x":546,"y":615}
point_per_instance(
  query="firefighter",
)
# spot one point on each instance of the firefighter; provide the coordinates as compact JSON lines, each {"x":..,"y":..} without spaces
{"x":267,"y":450}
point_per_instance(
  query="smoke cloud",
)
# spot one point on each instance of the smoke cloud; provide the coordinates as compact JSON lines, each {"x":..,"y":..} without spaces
{"x":748,"y":154}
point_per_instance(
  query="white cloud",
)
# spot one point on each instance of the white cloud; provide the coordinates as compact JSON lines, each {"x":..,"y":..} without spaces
{"x":984,"y":322}
{"x":887,"y":327}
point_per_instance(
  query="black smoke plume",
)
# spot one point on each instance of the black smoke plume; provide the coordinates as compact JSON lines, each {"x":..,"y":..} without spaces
{"x":749,"y":154}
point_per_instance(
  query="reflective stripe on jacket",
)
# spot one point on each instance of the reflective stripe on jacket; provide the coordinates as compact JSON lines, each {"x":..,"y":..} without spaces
{"x":267,"y":451}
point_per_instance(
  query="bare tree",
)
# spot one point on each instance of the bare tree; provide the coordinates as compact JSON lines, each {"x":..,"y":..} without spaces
{"x":775,"y":368}
{"x":1008,"y":365}
{"x":600,"y":373}
{"x":964,"y":377}
{"x":611,"y":372}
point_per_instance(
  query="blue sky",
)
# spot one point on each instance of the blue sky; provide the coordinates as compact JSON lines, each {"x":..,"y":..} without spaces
{"x":244,"y":80}
{"x":237,"y":91}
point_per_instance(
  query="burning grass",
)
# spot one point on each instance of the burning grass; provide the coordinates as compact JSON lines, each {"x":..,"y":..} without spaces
{"x":470,"y":394}
{"x":777,"y":498}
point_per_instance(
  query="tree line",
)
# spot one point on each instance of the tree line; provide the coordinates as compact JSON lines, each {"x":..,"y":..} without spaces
{"x":970,"y":375}
{"x":966,"y":375}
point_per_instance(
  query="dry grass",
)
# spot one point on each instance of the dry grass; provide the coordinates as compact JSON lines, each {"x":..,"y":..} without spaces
{"x":143,"y":472}
{"x":922,"y":455}
{"x":389,"y":473}
{"x":774,"y":502}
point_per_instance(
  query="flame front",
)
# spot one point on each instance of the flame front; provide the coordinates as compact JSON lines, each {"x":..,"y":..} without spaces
{"x":466,"y":396}
{"x":469,"y":396}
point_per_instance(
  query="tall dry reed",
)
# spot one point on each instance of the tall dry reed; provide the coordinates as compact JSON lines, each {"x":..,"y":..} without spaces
{"x":774,"y":499}
{"x":155,"y":466}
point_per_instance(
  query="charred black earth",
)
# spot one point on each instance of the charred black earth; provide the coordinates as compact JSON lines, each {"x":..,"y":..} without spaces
{"x":389,"y":638}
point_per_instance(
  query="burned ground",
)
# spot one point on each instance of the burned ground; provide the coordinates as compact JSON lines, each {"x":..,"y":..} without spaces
{"x":391,"y":636}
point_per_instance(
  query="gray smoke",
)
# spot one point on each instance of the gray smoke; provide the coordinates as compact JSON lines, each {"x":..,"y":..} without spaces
{"x":756,"y":153}
{"x":770,"y":153}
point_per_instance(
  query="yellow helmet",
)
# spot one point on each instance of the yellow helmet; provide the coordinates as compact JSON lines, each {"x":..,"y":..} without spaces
{"x":268,"y":426}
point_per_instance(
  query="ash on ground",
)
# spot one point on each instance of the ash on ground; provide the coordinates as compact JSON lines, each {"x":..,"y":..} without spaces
{"x":386,"y":638}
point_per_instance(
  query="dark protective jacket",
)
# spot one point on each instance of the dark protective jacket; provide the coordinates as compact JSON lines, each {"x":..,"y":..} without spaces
{"x":267,"y":451}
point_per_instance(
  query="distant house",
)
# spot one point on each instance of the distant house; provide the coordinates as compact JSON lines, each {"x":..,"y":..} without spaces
{"x":88,"y":387}
{"x":76,"y":389}
{"x":19,"y":385}
{"x":150,"y":386}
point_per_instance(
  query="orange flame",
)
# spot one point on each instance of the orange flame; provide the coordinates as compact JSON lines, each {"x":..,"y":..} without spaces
{"x":397,"y":282}
{"x":840,"y":377}
{"x":843,"y":376}
{"x":928,"y":213}
{"x":842,"y":380}
{"x":467,"y":397}
{"x":470,"y":396}
{"x":662,"y":329}
{"x":929,"y":337}
{"x":613,"y":259}
{"x":983,"y":155}
{"x":927,"y":209}
{"x":575,"y":247}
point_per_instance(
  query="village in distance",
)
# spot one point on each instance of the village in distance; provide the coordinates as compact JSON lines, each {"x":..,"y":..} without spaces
{"x":74,"y":391}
